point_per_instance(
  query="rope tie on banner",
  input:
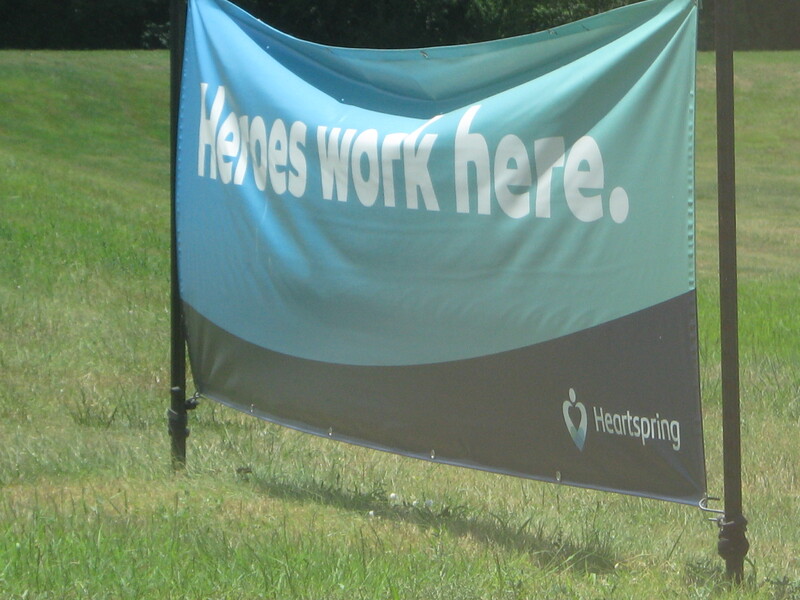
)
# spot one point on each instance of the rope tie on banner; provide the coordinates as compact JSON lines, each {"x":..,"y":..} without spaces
{"x":193,"y":402}
{"x":732,"y":539}
{"x":178,"y":422}
{"x":732,"y":543}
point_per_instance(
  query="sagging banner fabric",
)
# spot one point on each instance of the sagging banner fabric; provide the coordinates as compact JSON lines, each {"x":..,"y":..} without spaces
{"x":481,"y":255}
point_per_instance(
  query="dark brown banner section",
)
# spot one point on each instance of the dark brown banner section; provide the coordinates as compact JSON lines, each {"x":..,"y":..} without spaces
{"x":615,"y":407}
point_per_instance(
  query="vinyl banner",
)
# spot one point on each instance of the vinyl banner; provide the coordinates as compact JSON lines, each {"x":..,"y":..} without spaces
{"x":481,"y":255}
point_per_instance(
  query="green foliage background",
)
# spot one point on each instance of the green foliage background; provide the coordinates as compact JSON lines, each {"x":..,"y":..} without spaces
{"x":127,"y":24}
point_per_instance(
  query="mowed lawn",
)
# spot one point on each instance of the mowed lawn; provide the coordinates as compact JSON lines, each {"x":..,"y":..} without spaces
{"x":89,"y":507}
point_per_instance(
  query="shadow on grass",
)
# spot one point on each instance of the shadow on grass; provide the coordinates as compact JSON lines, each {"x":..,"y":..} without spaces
{"x":590,"y":553}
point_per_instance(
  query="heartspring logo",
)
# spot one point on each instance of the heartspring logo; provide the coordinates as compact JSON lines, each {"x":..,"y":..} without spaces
{"x":647,"y":429}
{"x":572,"y":408}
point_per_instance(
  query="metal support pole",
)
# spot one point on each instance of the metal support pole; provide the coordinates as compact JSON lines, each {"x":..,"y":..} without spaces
{"x":177,"y":416}
{"x":733,"y":544}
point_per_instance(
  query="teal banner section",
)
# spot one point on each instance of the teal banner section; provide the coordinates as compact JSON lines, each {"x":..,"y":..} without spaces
{"x":419,"y":206}
{"x":481,"y":255}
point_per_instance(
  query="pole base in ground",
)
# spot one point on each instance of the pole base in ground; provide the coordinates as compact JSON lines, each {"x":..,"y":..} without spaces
{"x":733,"y":545}
{"x":178,"y":424}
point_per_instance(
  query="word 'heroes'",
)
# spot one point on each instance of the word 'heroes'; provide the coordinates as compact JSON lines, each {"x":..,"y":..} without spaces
{"x":395,"y":169}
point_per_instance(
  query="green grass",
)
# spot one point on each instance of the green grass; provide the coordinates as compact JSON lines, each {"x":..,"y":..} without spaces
{"x":90,"y":509}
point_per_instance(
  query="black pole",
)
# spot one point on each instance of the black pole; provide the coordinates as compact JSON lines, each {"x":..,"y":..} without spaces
{"x":177,"y":416}
{"x":733,"y":544}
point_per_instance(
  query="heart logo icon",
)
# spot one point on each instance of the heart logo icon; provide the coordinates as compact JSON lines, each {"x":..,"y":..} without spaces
{"x":573,"y":407}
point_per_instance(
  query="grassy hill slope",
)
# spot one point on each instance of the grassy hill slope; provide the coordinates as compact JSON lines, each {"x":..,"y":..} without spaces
{"x":90,"y":509}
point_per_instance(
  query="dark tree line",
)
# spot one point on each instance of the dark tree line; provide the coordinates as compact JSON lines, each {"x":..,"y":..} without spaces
{"x":416,"y":23}
{"x":90,"y":24}
{"x":759,"y":24}
{"x":83,"y":24}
